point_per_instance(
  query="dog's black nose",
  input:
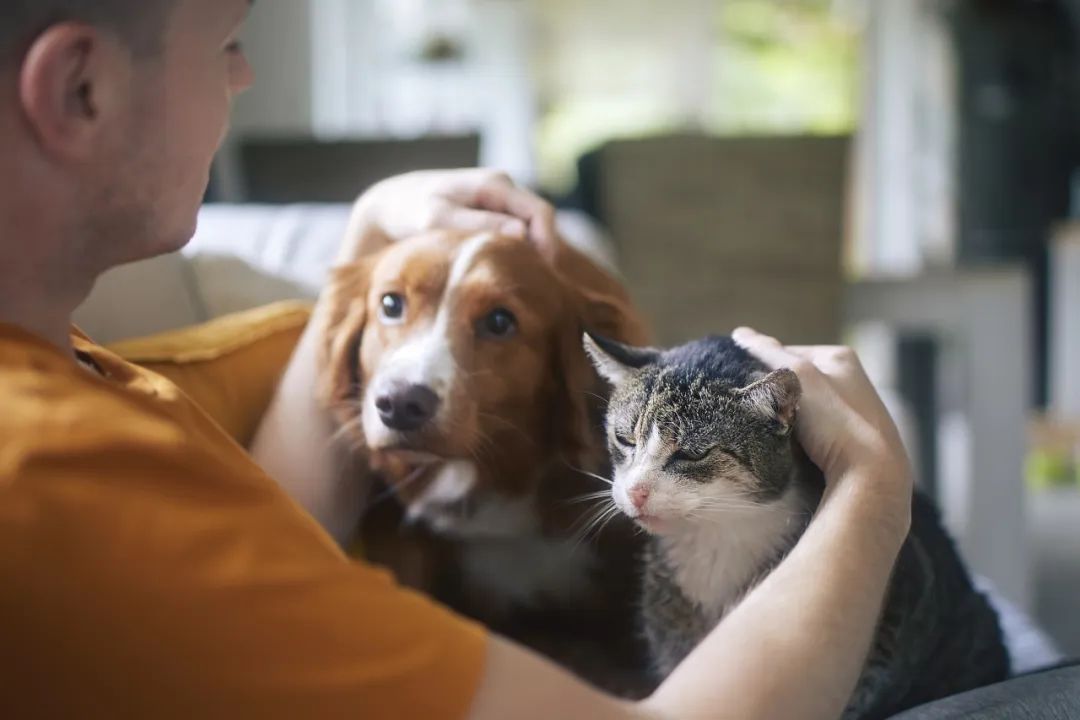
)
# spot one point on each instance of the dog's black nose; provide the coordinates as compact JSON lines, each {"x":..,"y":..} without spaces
{"x":407,"y":407}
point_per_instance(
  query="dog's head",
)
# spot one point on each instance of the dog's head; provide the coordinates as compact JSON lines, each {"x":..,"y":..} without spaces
{"x":456,"y":362}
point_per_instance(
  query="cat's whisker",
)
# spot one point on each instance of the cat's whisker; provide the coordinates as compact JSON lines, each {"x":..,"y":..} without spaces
{"x":595,"y":524}
{"x":599,"y":495}
{"x":733,"y":504}
{"x":593,"y":475}
{"x":610,"y":517}
{"x":587,"y":517}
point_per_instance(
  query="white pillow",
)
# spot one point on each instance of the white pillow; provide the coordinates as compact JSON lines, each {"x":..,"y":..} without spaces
{"x":249,"y":255}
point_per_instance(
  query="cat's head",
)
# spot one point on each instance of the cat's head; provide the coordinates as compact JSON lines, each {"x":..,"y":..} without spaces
{"x":696,"y":433}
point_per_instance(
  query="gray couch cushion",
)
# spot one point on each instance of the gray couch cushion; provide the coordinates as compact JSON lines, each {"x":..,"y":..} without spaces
{"x":1050,"y":695}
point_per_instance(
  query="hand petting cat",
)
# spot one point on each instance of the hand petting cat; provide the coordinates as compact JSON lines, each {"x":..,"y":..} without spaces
{"x":842,"y":424}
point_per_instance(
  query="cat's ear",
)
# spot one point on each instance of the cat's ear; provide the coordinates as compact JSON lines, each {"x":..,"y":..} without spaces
{"x":615,"y":361}
{"x":774,"y":398}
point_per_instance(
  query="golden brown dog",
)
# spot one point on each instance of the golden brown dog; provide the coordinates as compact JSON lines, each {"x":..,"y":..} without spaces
{"x":455,"y":366}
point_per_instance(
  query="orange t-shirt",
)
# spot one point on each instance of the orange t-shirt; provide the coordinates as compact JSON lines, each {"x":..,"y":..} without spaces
{"x":149,"y":568}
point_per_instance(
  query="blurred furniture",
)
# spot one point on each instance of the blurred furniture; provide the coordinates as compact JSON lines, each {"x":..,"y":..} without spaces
{"x":717,"y":232}
{"x":1065,"y":322}
{"x":1050,"y":695}
{"x":983,"y":327}
{"x":305,"y":170}
{"x":1054,"y":514}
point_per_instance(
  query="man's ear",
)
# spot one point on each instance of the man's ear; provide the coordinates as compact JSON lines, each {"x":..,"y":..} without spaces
{"x":615,"y":361}
{"x":774,"y":398}
{"x":70,"y":77}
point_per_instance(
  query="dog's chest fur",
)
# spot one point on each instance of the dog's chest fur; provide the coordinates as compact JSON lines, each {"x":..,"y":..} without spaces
{"x":527,"y":572}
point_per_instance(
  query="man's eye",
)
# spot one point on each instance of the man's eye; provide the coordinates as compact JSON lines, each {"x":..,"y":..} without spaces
{"x":235,"y":47}
{"x":392,"y":307}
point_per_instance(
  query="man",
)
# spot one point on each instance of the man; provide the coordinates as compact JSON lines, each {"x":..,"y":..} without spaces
{"x":150,"y":568}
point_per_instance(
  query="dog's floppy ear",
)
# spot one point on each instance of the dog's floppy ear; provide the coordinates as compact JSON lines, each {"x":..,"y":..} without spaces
{"x":575,"y":385}
{"x":343,"y":326}
{"x":595,"y":302}
{"x":604,"y":306}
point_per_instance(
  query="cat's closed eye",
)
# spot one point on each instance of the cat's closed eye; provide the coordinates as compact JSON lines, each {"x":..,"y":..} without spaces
{"x":624,"y":440}
{"x":685,"y":455}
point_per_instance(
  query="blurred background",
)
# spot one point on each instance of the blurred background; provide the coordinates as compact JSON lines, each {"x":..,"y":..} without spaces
{"x":898,"y":174}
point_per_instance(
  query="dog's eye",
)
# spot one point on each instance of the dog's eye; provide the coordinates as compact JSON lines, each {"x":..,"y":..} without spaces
{"x":686,"y":455}
{"x":393,"y":306}
{"x":499,"y":323}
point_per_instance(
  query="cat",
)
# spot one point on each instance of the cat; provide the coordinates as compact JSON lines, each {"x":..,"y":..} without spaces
{"x":705,"y":461}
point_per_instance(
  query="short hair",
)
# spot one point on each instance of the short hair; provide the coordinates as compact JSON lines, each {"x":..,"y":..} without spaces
{"x":138,"y":23}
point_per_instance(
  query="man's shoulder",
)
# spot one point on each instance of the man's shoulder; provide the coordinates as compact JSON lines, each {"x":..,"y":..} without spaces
{"x":50,"y":401}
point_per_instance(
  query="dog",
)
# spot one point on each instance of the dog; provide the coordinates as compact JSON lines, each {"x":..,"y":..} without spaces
{"x":454,"y":365}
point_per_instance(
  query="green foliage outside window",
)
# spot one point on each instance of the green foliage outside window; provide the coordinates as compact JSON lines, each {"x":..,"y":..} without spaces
{"x":780,"y":66}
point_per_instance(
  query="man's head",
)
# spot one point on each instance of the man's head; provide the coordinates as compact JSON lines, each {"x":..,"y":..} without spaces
{"x":139,"y":23}
{"x":110,"y":114}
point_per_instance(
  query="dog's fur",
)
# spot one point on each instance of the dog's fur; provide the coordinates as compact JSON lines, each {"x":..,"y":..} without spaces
{"x":485,"y":519}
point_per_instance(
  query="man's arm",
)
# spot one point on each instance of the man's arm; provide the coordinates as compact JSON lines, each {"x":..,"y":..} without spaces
{"x":296,"y":445}
{"x":794,"y":648}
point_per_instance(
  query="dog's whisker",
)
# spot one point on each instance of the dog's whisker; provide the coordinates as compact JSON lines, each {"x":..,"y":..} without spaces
{"x":506,"y":423}
{"x":348,"y":430}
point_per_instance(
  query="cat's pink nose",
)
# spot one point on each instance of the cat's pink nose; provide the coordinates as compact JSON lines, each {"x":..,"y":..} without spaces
{"x":639,"y":495}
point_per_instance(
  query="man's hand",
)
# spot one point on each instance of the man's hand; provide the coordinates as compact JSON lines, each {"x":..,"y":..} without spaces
{"x":842,"y":423}
{"x":472,"y":200}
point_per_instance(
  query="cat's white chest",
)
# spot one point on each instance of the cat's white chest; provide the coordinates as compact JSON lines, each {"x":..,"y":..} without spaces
{"x":714,"y":562}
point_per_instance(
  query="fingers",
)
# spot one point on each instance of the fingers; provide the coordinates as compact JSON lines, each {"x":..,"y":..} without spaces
{"x":471,"y":221}
{"x":837,"y":365}
{"x":831,"y":359}
{"x":834,"y":361}
{"x":842,"y":420}
{"x":766,"y":349}
{"x":469,"y":200}
{"x":463,"y":185}
{"x":496,"y":192}
{"x":515,"y":201}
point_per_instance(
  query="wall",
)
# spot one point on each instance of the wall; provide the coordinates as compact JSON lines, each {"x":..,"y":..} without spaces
{"x":278,"y":42}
